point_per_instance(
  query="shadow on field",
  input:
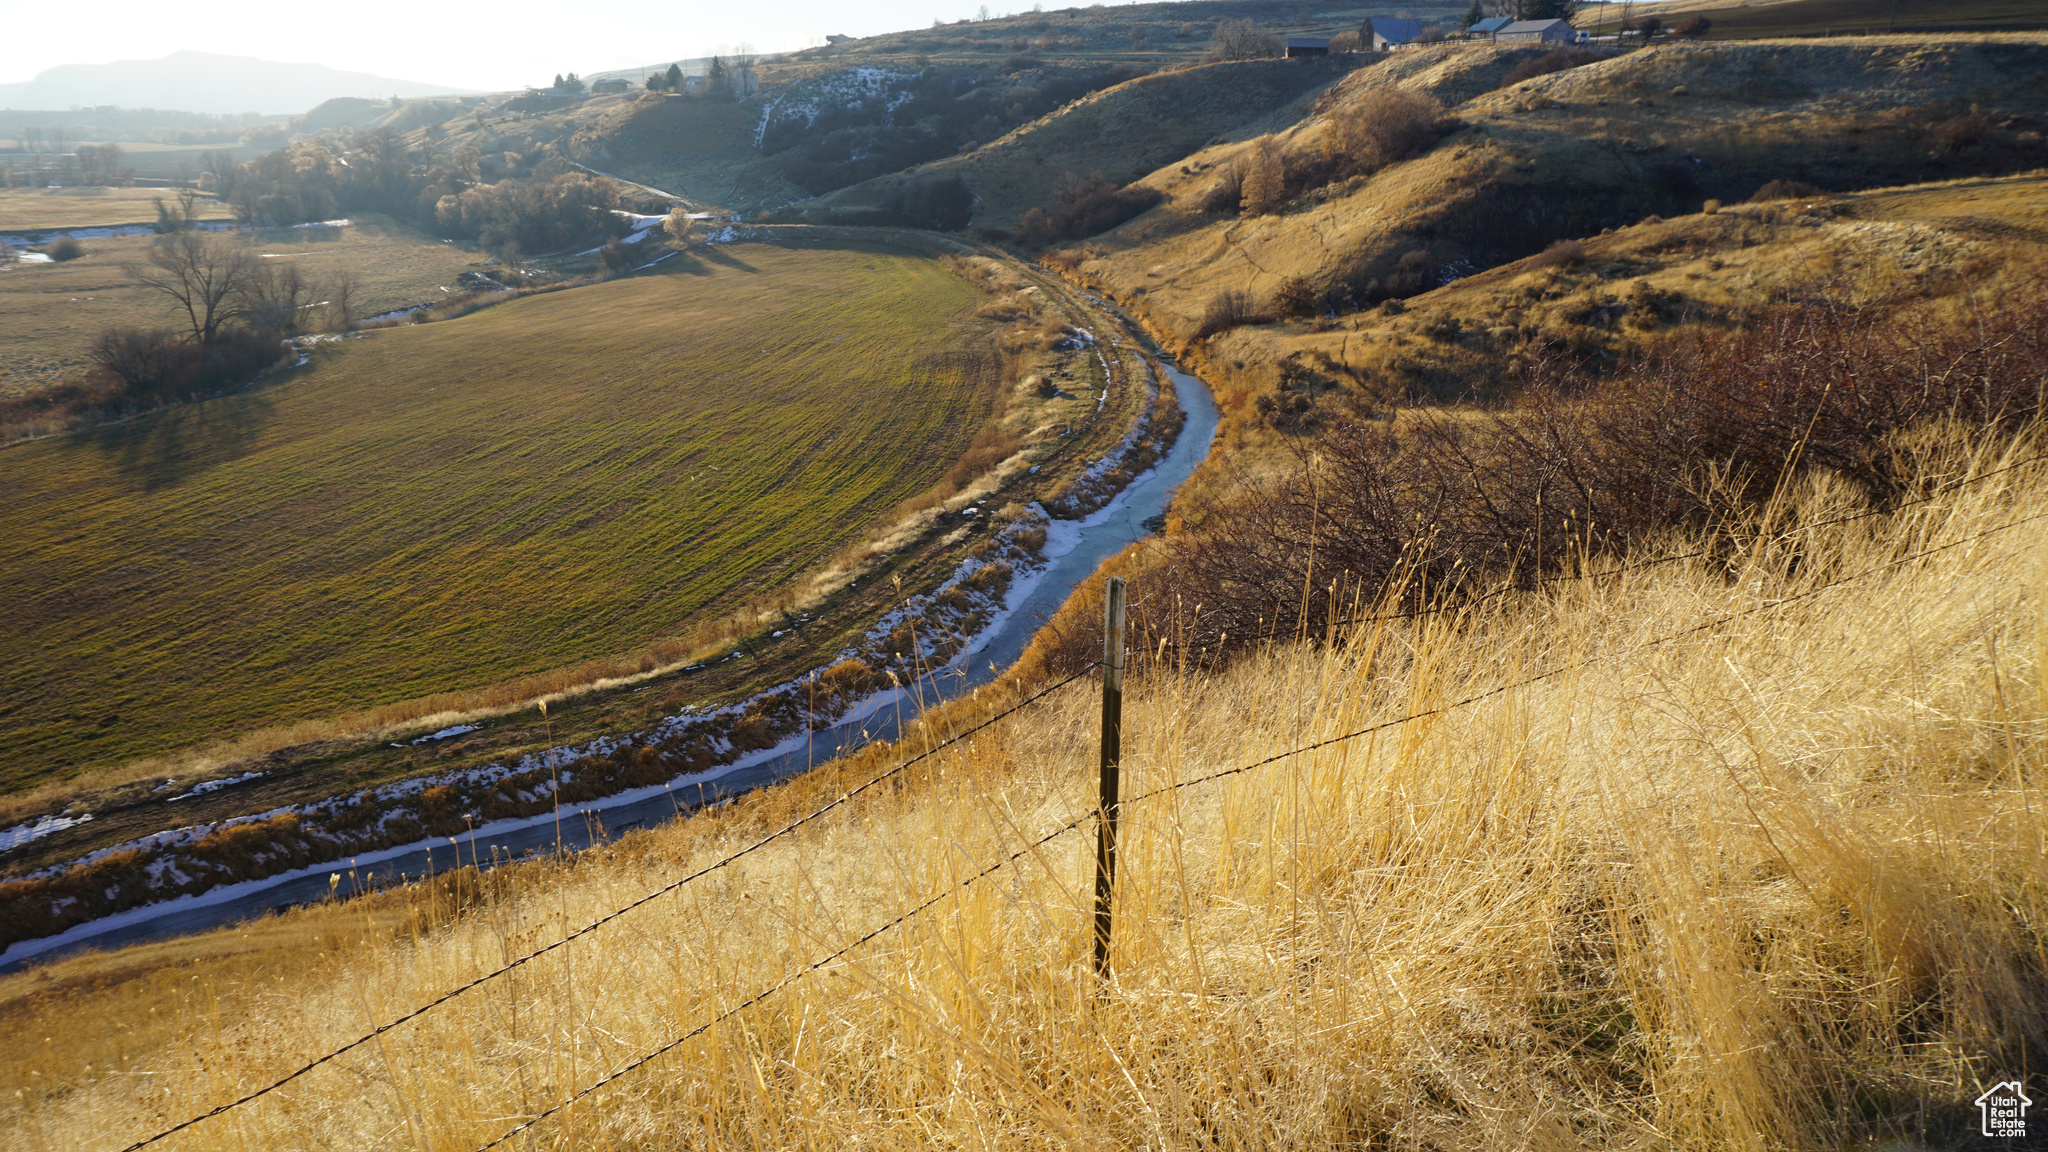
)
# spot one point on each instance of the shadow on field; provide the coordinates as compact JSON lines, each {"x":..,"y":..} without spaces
{"x":167,"y":447}
{"x":717,"y":255}
{"x":685,"y":261}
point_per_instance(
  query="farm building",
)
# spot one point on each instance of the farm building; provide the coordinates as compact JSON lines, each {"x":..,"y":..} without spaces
{"x":1489,"y":26}
{"x":1300,"y":46}
{"x":1384,"y":33}
{"x":1537,"y":32}
{"x":609,"y":85}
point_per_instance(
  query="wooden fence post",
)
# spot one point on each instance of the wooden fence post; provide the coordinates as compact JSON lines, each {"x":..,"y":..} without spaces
{"x":1112,"y":751}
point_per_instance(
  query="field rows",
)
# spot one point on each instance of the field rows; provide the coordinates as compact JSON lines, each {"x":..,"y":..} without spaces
{"x":453,"y":504}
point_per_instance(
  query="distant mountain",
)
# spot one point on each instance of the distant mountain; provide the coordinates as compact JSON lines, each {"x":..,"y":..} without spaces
{"x":203,"y":82}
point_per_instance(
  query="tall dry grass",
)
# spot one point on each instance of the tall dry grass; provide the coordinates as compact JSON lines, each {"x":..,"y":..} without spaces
{"x":1774,"y":882}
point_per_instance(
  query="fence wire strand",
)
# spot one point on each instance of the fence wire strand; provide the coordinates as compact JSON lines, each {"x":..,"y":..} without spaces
{"x":607,"y":918}
{"x":1078,"y":821}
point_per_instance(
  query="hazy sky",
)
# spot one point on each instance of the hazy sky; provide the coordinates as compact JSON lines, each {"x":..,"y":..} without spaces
{"x":495,"y":45}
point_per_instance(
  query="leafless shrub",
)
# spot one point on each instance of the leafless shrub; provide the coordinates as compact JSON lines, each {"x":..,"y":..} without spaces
{"x":1784,"y":190}
{"x":1230,"y":308}
{"x":1227,"y":193}
{"x":1385,"y":127}
{"x":1560,"y":254}
{"x":1960,"y":133}
{"x":1295,"y":297}
{"x":1083,"y":207}
{"x":1568,"y":469}
{"x":618,"y":256}
{"x":1265,"y":178}
{"x":678,"y":226}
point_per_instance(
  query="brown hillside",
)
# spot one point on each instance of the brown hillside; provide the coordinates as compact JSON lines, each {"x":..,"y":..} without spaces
{"x":1943,"y":248}
{"x":1568,"y":154}
{"x":1121,"y":133}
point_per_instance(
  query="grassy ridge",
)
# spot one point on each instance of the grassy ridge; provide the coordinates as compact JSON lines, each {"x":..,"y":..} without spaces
{"x":448,"y":505}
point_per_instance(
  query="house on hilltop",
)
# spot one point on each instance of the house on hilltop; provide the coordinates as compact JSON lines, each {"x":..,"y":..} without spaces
{"x":835,"y":38}
{"x":1488,"y":27}
{"x":609,"y":85}
{"x":1303,"y":46}
{"x":1537,"y":32}
{"x":1386,"y":33}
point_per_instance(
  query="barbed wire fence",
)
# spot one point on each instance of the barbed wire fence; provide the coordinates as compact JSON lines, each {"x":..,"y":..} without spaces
{"x":1098,"y":811}
{"x":1091,"y":814}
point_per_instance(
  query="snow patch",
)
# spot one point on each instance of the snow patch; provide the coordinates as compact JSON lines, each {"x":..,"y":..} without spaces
{"x":20,"y":834}
{"x":215,"y":785}
{"x":447,"y":733}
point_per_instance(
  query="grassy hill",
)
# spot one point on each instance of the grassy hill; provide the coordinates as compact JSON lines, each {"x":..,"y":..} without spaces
{"x":552,"y":479}
{"x":1717,"y":854}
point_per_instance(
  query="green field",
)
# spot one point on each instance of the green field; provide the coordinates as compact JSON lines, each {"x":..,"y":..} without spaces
{"x":453,"y":504}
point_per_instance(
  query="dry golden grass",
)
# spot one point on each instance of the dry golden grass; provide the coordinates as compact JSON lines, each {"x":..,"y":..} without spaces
{"x":1771,"y":884}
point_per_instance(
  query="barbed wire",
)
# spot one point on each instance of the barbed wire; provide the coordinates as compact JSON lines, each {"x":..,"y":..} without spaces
{"x":452,"y":993}
{"x":1590,"y":660}
{"x":792,"y":978}
{"x":1078,"y":821}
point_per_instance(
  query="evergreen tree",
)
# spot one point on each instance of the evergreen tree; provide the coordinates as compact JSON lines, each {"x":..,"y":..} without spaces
{"x":675,"y":78}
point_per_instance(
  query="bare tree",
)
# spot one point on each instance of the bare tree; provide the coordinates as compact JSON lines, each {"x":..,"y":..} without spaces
{"x":1243,"y":40}
{"x":208,"y":279}
{"x":274,"y":299}
{"x":1265,"y":179}
{"x":180,"y":218}
{"x":343,"y":310}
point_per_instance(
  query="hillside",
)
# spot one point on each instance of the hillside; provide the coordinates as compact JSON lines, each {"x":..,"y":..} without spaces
{"x":1157,"y":35}
{"x":1765,"y":19}
{"x":449,"y":505}
{"x":1568,"y":154}
{"x":1122,"y":133}
{"x":1737,"y":852}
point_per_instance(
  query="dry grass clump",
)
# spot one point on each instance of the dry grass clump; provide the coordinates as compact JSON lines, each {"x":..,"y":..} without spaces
{"x":1717,"y":856}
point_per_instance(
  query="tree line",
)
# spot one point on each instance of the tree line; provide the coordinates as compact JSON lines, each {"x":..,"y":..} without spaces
{"x":508,"y":203}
